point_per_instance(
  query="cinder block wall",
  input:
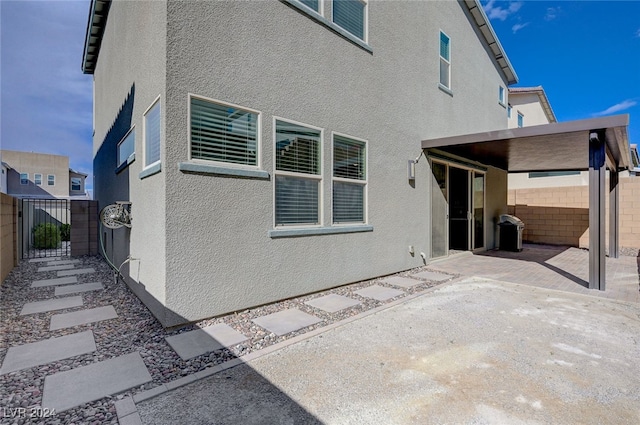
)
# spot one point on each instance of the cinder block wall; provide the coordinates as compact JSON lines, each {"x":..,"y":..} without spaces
{"x":560,"y":215}
{"x":84,"y":228}
{"x":8,"y":236}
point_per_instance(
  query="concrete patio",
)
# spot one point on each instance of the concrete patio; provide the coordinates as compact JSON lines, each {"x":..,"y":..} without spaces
{"x":552,"y":267}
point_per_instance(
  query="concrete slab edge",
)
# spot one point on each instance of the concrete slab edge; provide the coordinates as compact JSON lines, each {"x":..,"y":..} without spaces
{"x":132,"y":416}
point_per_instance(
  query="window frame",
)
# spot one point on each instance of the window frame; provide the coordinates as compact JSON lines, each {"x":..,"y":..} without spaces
{"x":502,"y":96}
{"x":79,"y":184}
{"x":156,"y":102}
{"x":364,"y":183}
{"x":24,"y":181}
{"x":365,"y":20}
{"x":36,"y":179}
{"x":446,"y":61}
{"x":320,"y":10}
{"x":51,"y":179}
{"x":509,"y":108}
{"x":123,"y":163}
{"x":223,"y":164}
{"x":520,"y":121}
{"x":319,"y":178}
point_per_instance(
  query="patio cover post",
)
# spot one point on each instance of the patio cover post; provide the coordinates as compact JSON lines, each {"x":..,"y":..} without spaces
{"x":614,"y":214}
{"x":597,"y":171}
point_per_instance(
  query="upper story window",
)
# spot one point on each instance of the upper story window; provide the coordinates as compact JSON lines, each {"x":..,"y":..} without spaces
{"x":51,"y":180}
{"x":445,"y":60}
{"x":24,"y":178}
{"x":520,"y":120}
{"x":127,"y":147}
{"x":502,"y":98}
{"x":509,"y":111}
{"x":152,"y":134}
{"x":298,"y":174}
{"x":351,"y":15}
{"x":76,"y":183}
{"x":37,"y":179}
{"x":349,"y":180}
{"x":222,"y":132}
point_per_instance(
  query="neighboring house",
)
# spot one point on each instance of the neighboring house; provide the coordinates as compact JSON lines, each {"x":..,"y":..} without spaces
{"x":276,"y":148}
{"x":3,"y":179}
{"x":40,"y":175}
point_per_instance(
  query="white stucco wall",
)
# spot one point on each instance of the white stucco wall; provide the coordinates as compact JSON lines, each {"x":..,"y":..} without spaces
{"x":270,"y":57}
{"x":129,"y":76}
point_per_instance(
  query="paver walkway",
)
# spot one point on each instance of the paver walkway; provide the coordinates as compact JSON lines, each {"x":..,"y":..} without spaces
{"x":51,"y":305}
{"x":200,"y":341}
{"x":380,"y":293}
{"x":76,"y":271}
{"x":54,"y":282}
{"x":332,"y":303}
{"x":74,"y":289}
{"x":286,"y":321}
{"x":82,"y":317}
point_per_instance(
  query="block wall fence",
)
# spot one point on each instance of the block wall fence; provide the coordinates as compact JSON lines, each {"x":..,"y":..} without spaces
{"x":560,"y":215}
{"x":8,"y":235}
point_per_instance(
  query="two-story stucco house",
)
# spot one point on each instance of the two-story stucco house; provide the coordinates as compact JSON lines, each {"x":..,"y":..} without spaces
{"x":276,"y":148}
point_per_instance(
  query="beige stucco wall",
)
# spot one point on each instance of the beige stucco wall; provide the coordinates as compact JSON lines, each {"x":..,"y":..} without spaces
{"x":529,"y":105}
{"x":560,"y":215}
{"x":8,"y":237}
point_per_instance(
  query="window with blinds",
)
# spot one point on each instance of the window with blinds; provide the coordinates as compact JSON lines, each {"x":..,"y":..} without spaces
{"x":223,"y":133}
{"x":349,"y":179}
{"x":311,"y":4}
{"x":126,"y":147}
{"x":152,"y":134}
{"x":445,"y":60}
{"x":298,"y":174}
{"x":350,"y":15}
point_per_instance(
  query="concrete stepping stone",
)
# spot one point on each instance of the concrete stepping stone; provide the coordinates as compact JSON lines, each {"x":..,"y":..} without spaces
{"x":74,"y":289}
{"x":47,"y":351}
{"x":82,"y":317}
{"x":286,"y":321}
{"x":332,"y":303}
{"x":62,"y":273}
{"x":200,"y":341}
{"x":75,"y":387}
{"x":53,"y":282}
{"x":437,"y":277}
{"x":55,"y":268}
{"x":403,"y":282}
{"x":380,"y":293}
{"x":60,"y":262}
{"x":43,"y":259}
{"x":51,"y":305}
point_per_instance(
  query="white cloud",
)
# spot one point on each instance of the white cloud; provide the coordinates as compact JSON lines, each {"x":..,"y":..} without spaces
{"x":518,"y":27}
{"x":552,"y":13}
{"x":626,"y":104}
{"x":501,"y":13}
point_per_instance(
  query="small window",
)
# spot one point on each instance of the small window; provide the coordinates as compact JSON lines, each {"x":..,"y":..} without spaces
{"x":509,"y":111}
{"x":24,"y":178}
{"x":51,"y":180}
{"x":152,"y":135}
{"x":37,"y":179}
{"x":349,"y":180}
{"x":351,"y":16}
{"x":445,"y":60}
{"x":298,"y":174}
{"x":536,"y":174}
{"x":127,"y":148}
{"x":501,"y":96}
{"x":223,"y":133}
{"x":312,"y":4}
{"x":76,"y":184}
{"x":520,"y":120}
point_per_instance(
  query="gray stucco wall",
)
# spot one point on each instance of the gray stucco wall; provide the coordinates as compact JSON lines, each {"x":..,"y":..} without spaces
{"x":129,"y":76}
{"x":270,"y":57}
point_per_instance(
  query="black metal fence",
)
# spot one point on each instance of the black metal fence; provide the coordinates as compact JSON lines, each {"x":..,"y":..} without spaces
{"x":44,"y":228}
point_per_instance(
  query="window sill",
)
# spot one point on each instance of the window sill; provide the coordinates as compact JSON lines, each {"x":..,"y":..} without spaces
{"x":125,"y":164}
{"x":445,"y":89}
{"x":327,"y":23}
{"x":150,"y":171}
{"x":192,"y":167}
{"x":502,"y":104}
{"x":313,"y":231}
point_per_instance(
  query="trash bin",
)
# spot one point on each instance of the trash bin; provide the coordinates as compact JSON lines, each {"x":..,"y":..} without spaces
{"x":511,"y":228}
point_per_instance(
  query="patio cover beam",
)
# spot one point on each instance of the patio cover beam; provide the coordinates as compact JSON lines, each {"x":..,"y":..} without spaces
{"x":597,"y":172}
{"x":614,"y":214}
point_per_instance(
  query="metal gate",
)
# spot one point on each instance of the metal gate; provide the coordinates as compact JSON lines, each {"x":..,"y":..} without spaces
{"x":44,"y":228}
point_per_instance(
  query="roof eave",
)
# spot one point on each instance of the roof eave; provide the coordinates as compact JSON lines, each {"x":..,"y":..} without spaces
{"x":96,"y":23}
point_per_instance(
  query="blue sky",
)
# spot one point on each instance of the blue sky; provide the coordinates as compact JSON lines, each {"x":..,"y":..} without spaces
{"x":586,"y":54}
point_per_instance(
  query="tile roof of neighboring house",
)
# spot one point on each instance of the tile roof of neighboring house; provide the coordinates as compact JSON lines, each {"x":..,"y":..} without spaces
{"x":541,"y":95}
{"x":78,"y":172}
{"x":99,"y":13}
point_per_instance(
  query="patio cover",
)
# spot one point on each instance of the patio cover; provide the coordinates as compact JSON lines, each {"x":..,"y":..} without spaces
{"x":593,"y":144}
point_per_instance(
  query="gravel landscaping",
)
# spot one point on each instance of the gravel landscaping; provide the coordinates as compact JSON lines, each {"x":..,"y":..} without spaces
{"x":135,"y":329}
